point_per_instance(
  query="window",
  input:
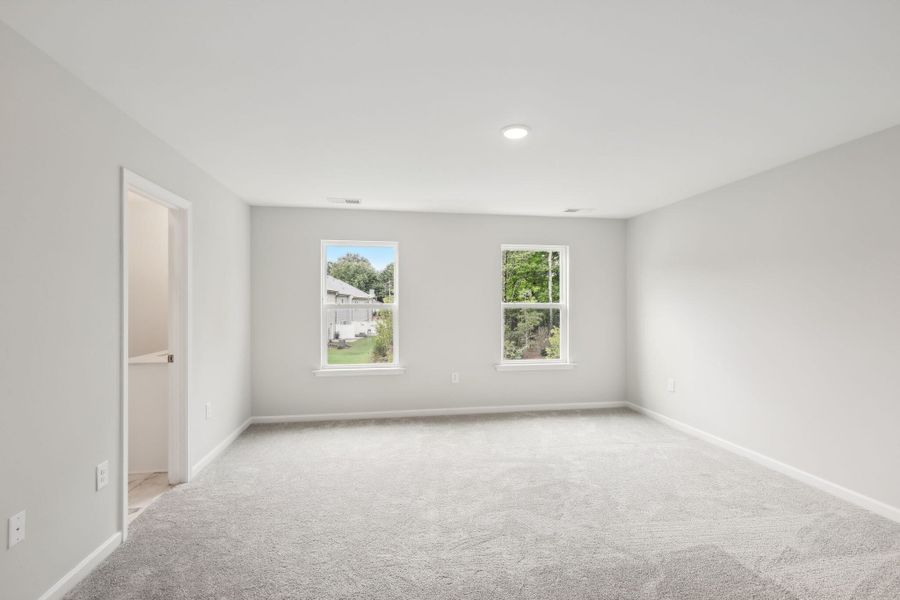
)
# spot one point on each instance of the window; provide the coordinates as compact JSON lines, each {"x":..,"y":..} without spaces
{"x":359,"y":305}
{"x":534,"y":304}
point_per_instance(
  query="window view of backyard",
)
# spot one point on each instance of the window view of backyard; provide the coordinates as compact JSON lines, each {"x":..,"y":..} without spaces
{"x":363,"y":279}
{"x":531,"y":277}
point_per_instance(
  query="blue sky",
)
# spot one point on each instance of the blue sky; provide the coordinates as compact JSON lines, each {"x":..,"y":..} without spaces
{"x":379,"y":256}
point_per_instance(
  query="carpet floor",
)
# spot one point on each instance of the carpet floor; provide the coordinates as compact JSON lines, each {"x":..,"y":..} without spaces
{"x":566,"y":505}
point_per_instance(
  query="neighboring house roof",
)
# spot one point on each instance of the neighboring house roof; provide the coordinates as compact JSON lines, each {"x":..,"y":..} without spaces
{"x":333,"y":284}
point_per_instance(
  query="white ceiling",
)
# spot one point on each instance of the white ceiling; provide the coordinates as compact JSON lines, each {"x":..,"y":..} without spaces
{"x":633,"y":104}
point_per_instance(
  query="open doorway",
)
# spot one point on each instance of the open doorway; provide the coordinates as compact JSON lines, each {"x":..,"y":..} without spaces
{"x":155,"y":249}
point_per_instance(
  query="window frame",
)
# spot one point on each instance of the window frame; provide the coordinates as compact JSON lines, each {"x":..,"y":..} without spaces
{"x":365,"y":368}
{"x":563,"y":307}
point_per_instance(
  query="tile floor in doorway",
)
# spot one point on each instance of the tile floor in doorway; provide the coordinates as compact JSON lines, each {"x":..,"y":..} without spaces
{"x":143,"y":489}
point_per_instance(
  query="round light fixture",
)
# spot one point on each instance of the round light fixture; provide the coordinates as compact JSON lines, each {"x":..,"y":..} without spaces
{"x":515,"y":132}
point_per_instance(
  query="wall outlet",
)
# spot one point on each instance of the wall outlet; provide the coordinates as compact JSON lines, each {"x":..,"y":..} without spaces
{"x":102,"y":475}
{"x":671,"y":385}
{"x":16,"y":529}
{"x":209,"y":410}
{"x":454,"y":377}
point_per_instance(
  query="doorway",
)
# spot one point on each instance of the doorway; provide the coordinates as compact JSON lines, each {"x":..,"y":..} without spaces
{"x":155,"y":350}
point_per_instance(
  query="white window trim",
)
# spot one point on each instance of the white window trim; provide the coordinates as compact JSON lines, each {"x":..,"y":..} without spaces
{"x":391,"y":368}
{"x":526,"y":365}
{"x":358,"y":371}
{"x":564,"y":307}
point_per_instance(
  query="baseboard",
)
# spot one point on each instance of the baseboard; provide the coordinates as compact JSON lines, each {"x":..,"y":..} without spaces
{"x":220,"y":448}
{"x":81,"y":570}
{"x":861,"y":500}
{"x":435,"y":412}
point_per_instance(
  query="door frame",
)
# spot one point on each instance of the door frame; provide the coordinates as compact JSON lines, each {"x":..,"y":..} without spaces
{"x":180,"y":219}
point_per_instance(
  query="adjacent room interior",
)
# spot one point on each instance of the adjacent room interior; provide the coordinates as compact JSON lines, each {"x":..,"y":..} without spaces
{"x":147,"y":225}
{"x":450,"y":300}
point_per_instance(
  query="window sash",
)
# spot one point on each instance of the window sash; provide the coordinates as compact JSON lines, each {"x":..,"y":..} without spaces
{"x":324,"y":364}
{"x":563,"y":337}
{"x":361,"y":305}
{"x":325,"y":306}
{"x":562,"y":305}
{"x":542,"y":305}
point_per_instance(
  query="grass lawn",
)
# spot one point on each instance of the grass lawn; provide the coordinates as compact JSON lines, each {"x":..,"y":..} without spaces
{"x":359,"y":352}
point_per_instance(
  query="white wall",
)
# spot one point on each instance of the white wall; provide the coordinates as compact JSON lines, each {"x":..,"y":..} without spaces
{"x":148,"y":276}
{"x":450,"y":291}
{"x":61,"y":149}
{"x":148,"y":417}
{"x":775,"y":303}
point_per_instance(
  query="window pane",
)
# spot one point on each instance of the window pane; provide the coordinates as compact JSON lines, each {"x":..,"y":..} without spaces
{"x":360,"y":274}
{"x":530,"y":276}
{"x":359,"y":336}
{"x":530,"y":333}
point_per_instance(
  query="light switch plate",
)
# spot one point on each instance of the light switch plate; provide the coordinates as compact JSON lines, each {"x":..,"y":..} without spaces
{"x":454,"y":377}
{"x":671,"y":385}
{"x":16,"y":528}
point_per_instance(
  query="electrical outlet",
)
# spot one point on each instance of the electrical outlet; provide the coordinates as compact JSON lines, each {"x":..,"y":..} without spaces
{"x":209,"y":410}
{"x":671,"y":386}
{"x":16,"y":529}
{"x":454,"y":377}
{"x":102,"y":475}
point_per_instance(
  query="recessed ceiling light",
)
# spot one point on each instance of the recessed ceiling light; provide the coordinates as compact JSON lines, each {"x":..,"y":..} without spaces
{"x":515,"y":132}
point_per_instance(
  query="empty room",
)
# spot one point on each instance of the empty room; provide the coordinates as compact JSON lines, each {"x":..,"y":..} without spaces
{"x":450,"y":300}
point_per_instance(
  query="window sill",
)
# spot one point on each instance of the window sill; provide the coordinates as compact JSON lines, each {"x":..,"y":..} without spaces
{"x":359,"y":372}
{"x":554,"y":366}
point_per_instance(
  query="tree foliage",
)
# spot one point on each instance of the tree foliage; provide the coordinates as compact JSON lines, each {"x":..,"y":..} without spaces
{"x":383,"y":350}
{"x":530,"y":333}
{"x":530,"y":276}
{"x":384,"y":286}
{"x":356,"y":270}
{"x":552,"y":350}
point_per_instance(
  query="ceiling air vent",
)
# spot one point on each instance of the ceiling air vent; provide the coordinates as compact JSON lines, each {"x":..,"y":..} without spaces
{"x":350,"y":201}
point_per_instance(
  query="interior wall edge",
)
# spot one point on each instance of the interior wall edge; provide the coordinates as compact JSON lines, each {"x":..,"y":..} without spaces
{"x":435,"y":412}
{"x":220,"y":448}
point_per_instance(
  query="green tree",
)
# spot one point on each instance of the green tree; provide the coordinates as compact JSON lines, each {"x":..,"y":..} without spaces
{"x":553,"y":344}
{"x":354,"y":269}
{"x":383,"y":349}
{"x":530,"y":276}
{"x":384,"y":284}
{"x":530,"y":333}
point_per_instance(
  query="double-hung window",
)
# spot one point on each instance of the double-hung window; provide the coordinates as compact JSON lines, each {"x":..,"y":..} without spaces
{"x":534,"y":312}
{"x":360,"y":306}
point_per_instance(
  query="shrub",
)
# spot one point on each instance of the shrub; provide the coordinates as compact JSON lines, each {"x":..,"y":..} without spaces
{"x":383,"y":348}
{"x":552,"y":350}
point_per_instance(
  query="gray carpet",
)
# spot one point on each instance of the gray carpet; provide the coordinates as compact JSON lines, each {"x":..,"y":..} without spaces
{"x":574,"y":505}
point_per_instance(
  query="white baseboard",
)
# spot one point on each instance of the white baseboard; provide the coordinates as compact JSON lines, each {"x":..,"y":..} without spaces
{"x":435,"y":412}
{"x":876,"y":506}
{"x":220,"y":448}
{"x":393,"y":414}
{"x":81,"y":570}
